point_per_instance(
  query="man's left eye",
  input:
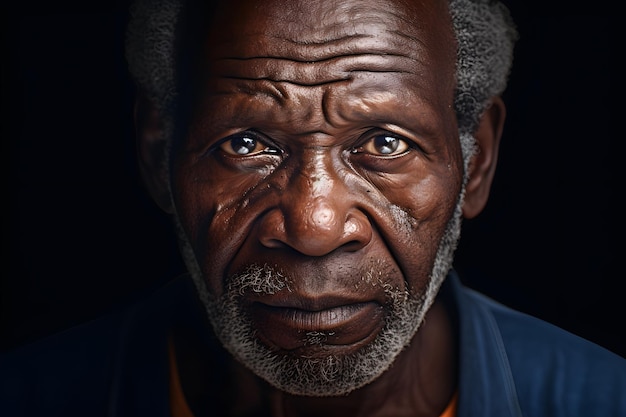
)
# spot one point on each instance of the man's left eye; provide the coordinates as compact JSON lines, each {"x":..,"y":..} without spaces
{"x":384,"y":145}
{"x":245,"y":145}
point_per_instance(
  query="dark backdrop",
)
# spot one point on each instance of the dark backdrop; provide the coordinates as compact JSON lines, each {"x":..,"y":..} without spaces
{"x":80,"y":235}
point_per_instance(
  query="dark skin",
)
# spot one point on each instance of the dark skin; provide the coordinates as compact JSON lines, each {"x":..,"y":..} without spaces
{"x":323,"y":138}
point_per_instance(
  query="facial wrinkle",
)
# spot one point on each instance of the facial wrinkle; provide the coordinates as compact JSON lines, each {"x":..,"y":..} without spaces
{"x":405,"y":224}
{"x":293,"y":82}
{"x":315,"y":25}
{"x":285,"y":81}
{"x":383,"y":41}
{"x":319,"y":60}
{"x":311,"y":73}
{"x":374,"y":39}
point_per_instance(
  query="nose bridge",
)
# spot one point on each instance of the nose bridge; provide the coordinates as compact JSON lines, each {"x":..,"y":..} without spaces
{"x":317,"y":211}
{"x":316,"y":199}
{"x":317,"y":176}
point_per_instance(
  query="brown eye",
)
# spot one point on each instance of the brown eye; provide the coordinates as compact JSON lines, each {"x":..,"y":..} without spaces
{"x":244,"y":145}
{"x":385,"y":145}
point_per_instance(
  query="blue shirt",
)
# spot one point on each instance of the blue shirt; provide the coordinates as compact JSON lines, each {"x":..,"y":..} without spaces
{"x":511,"y":364}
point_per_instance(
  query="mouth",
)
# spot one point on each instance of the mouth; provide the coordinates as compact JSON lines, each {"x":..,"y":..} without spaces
{"x":327,"y":326}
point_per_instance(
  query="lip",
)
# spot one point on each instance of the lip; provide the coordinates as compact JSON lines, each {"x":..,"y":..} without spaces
{"x":327,"y":323}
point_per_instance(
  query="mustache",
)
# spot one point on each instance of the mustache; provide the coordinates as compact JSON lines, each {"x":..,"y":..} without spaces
{"x":269,"y":280}
{"x":259,"y":279}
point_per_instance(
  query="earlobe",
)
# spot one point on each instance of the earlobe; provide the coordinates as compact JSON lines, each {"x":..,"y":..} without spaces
{"x":152,"y":150}
{"x":483,"y":165}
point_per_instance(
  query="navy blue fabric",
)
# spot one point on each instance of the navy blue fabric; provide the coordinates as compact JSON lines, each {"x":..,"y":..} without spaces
{"x":511,"y":364}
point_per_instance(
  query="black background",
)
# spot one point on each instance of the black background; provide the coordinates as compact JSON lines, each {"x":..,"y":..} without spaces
{"x":80,"y":235}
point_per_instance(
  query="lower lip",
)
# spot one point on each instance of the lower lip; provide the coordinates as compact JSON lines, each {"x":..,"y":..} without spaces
{"x":291,"y":329}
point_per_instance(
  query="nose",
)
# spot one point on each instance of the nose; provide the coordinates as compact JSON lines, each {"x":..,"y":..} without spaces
{"x":318,"y":213}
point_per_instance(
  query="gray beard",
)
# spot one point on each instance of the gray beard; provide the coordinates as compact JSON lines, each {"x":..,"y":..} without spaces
{"x":325,"y":376}
{"x":333,"y":375}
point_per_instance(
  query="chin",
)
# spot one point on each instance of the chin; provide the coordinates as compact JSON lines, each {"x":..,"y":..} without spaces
{"x":316,"y":368}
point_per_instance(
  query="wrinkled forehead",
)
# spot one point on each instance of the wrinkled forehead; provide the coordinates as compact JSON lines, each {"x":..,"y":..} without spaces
{"x":312,"y":30}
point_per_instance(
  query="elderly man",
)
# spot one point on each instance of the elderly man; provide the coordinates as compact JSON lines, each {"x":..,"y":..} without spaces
{"x":317,"y":158}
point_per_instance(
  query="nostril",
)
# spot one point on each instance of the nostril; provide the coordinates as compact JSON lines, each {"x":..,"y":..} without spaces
{"x":273,"y":243}
{"x":357,"y":231}
{"x":353,"y":246}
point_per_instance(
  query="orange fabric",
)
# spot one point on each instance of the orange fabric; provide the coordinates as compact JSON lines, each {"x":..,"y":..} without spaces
{"x":178,"y":403}
{"x":450,"y":410}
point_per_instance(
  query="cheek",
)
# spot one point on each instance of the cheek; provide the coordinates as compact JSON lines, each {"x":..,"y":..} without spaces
{"x":215,"y":215}
{"x":431,"y":200}
{"x":420,"y":195}
{"x":418,"y":215}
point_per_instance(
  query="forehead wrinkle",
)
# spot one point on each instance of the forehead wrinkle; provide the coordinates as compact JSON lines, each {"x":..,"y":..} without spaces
{"x":320,"y":22}
{"x":274,"y":108}
{"x":383,"y":102}
{"x":338,"y":68}
{"x":320,"y":60}
{"x":263,"y":87}
{"x":332,"y":106}
{"x":386,"y":42}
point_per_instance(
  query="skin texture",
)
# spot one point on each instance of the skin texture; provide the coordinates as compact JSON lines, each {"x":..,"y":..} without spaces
{"x":321,"y":199}
{"x":314,"y":90}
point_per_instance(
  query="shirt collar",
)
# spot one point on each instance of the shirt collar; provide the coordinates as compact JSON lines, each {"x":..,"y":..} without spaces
{"x":486,"y":385}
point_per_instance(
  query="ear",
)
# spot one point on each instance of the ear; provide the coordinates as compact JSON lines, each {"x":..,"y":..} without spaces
{"x":483,"y":164}
{"x":152,"y":151}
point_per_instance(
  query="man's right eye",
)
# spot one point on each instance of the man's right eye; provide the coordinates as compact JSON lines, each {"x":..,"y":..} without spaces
{"x":245,"y":144}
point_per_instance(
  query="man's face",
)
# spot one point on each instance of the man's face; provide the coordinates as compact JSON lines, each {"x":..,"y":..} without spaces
{"x":319,"y":174}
